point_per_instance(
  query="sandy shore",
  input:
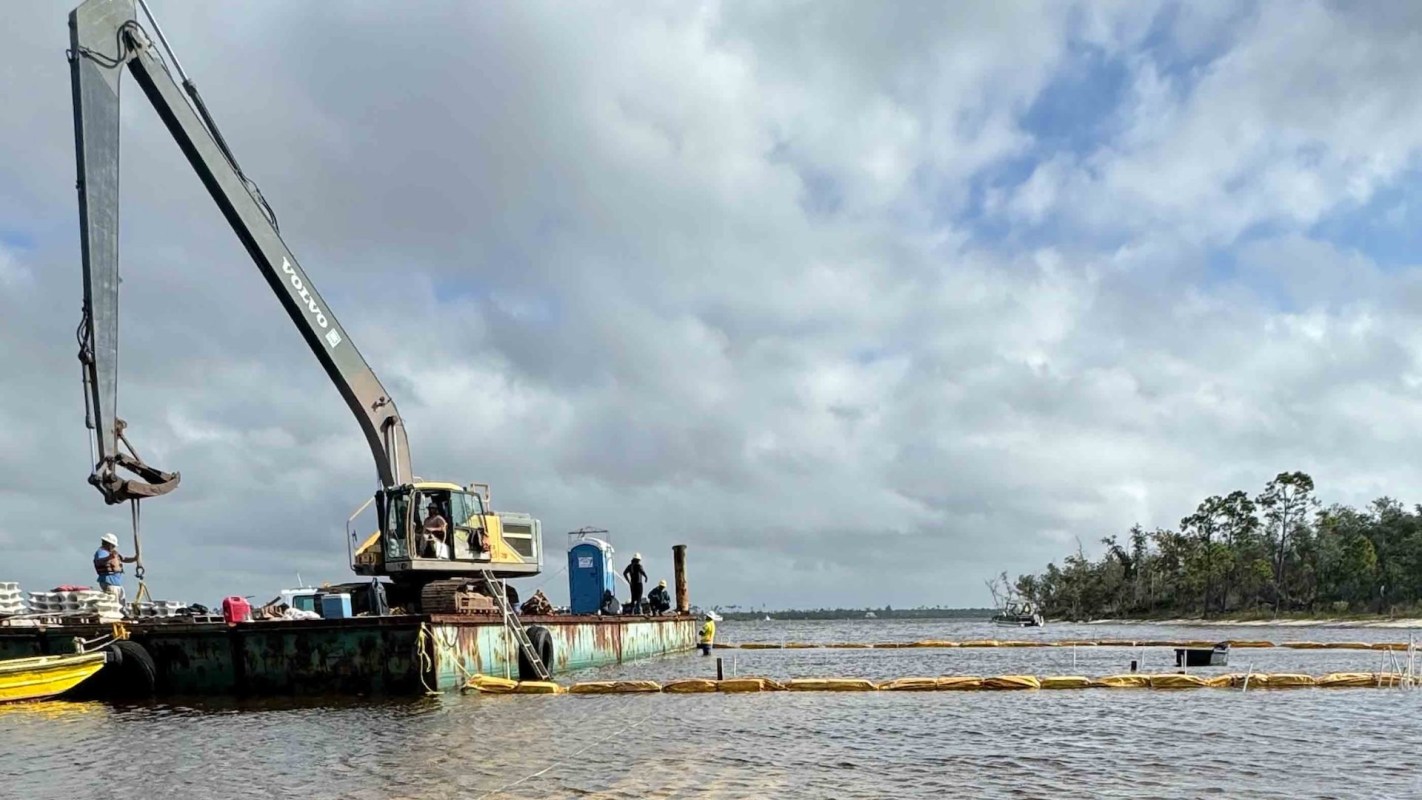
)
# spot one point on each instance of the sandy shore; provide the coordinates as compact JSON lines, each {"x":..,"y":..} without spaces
{"x":1270,"y":623}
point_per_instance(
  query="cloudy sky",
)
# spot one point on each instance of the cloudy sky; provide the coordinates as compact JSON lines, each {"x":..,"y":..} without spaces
{"x":863,"y":302}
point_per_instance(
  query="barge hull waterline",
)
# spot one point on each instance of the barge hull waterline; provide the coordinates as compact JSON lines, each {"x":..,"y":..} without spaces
{"x":397,"y":655}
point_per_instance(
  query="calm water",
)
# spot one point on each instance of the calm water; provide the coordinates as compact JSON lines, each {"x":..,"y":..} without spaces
{"x":1136,"y":744}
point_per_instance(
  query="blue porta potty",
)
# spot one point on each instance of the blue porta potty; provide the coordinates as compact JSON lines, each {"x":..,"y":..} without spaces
{"x":590,"y":573}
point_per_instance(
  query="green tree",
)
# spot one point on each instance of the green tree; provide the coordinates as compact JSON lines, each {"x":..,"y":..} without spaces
{"x":1219,"y":524}
{"x":1285,"y":501}
{"x":1236,"y":553}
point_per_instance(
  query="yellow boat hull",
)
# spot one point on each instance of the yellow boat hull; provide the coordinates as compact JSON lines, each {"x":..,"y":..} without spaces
{"x":45,"y":676}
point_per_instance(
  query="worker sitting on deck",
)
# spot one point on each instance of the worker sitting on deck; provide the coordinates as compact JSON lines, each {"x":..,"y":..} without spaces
{"x":658,"y":599}
{"x":435,"y":530}
{"x":707,"y":636}
{"x":109,"y":565}
{"x":610,"y":606}
{"x":636,"y":578}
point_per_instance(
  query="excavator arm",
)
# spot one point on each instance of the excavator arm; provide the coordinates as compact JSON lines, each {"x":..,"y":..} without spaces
{"x":106,"y":36}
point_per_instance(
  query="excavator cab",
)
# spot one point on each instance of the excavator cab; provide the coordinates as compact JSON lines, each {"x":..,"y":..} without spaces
{"x":474,"y":539}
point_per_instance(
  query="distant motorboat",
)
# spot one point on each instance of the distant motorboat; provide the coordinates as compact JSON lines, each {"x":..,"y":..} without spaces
{"x":1012,"y":610}
{"x":870,"y":615}
{"x":1019,"y":615}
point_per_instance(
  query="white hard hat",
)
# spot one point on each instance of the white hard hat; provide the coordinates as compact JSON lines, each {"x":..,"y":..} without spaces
{"x":109,"y":538}
{"x":636,"y":556}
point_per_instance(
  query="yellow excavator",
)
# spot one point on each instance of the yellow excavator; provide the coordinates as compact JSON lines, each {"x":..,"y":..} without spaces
{"x":107,"y":36}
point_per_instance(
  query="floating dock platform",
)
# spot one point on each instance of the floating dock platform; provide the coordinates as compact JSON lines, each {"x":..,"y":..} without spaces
{"x":393,"y":655}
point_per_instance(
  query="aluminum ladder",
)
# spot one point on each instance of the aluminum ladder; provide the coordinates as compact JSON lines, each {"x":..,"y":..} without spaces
{"x":515,"y":625}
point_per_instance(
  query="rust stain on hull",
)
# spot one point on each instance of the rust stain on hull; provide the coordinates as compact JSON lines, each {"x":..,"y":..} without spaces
{"x":465,"y":648}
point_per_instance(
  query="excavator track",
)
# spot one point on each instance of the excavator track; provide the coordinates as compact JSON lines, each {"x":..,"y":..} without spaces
{"x":457,"y":596}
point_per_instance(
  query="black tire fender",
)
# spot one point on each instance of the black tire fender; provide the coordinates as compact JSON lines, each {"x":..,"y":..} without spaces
{"x":542,"y":642}
{"x":131,"y":670}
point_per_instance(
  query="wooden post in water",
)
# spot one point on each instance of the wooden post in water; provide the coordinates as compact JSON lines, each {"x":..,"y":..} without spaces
{"x":683,"y":596}
{"x":720,"y":670}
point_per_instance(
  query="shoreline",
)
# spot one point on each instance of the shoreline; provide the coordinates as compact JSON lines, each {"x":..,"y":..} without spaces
{"x":1264,"y":623}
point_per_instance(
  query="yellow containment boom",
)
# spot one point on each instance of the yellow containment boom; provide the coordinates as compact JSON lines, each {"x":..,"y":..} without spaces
{"x":955,"y":683}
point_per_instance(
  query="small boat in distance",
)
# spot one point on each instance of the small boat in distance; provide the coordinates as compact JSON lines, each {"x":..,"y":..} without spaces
{"x":46,"y":676}
{"x":1018,"y":614}
{"x":1012,"y":609}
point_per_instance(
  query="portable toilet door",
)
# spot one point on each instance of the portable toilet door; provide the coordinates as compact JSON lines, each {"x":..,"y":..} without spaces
{"x":590,"y":573}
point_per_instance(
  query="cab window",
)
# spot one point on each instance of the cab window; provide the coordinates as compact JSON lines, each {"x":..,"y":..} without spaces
{"x":464,"y":507}
{"x":397,"y":544}
{"x":437,"y":500}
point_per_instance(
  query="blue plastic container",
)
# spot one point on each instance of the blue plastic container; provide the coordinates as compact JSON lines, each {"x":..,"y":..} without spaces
{"x":336,"y":606}
{"x":590,"y":573}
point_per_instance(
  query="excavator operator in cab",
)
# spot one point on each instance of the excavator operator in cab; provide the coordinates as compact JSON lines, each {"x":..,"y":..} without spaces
{"x":434,"y":533}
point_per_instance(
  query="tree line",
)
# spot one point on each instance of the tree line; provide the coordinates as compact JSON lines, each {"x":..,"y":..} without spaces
{"x":1278,"y":552}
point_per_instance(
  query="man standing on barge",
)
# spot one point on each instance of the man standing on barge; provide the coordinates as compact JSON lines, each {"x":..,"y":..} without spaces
{"x":109,"y":565}
{"x":636,"y":578}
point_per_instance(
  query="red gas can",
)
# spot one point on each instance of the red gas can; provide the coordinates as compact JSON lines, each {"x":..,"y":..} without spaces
{"x":236,"y":609}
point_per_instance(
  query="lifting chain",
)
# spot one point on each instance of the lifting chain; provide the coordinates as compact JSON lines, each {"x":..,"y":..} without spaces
{"x":138,"y":571}
{"x":137,"y":544}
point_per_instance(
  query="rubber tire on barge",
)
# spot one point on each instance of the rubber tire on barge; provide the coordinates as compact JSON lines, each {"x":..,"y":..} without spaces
{"x":542,"y":642}
{"x":135,"y":674}
{"x":130,"y":674}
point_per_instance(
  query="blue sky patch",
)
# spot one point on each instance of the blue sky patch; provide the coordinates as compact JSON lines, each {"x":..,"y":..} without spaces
{"x":1387,"y":228}
{"x":1076,"y":112}
{"x":16,"y":239}
{"x":821,"y":194}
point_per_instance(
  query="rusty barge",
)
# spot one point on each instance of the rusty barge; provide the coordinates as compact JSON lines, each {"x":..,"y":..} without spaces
{"x":392,"y":655}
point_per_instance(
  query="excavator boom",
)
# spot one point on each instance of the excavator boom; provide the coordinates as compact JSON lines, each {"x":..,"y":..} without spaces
{"x":105,"y":37}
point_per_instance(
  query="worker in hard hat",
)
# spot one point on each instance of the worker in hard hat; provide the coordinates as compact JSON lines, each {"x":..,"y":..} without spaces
{"x":707,"y":636}
{"x":636,"y":577}
{"x":108,"y":563}
{"x":659,"y":599}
